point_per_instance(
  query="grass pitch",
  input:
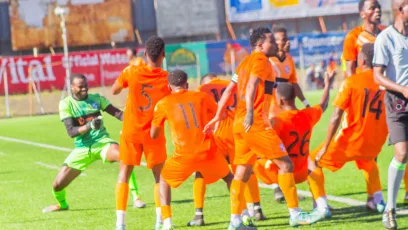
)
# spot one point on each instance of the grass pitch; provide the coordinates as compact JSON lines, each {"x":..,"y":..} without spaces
{"x":27,"y":173}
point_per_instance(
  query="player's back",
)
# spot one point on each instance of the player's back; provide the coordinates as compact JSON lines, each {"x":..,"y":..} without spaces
{"x":364,"y":128}
{"x":187,"y":113}
{"x":294,"y":128}
{"x":258,"y":65}
{"x":216,"y":88}
{"x":146,"y":87}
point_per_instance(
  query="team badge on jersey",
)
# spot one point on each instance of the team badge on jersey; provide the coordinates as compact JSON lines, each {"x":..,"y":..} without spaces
{"x":95,"y":105}
{"x":282,"y":147}
{"x":287,"y":69}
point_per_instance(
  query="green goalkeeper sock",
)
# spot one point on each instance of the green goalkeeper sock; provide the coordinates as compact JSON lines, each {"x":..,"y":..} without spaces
{"x":60,"y":197}
{"x":134,"y":189}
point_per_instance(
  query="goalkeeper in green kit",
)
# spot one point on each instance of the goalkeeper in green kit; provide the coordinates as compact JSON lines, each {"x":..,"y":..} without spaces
{"x":82,"y":118}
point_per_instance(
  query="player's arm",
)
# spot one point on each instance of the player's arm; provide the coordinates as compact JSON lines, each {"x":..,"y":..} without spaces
{"x":324,"y":101}
{"x":114,"y":112}
{"x":382,"y":80}
{"x":121,"y":82}
{"x":74,"y":131}
{"x":251,"y":87}
{"x":299,"y":94}
{"x":159,"y":118}
{"x":349,"y":54}
{"x":222,"y":104}
{"x":333,"y":126}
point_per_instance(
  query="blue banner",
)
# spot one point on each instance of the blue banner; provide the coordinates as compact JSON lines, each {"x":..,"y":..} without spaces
{"x":240,"y":6}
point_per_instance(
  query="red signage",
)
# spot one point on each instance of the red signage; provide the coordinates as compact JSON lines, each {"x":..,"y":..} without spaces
{"x":48,"y":71}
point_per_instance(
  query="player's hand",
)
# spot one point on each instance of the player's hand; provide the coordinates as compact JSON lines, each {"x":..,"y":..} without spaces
{"x":328,"y":76}
{"x":249,"y":120}
{"x":319,"y":155}
{"x":210,"y":126}
{"x":95,"y":124}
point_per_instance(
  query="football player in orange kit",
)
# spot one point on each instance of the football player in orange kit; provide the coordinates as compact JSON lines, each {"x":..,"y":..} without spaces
{"x":361,"y":138}
{"x":285,"y":69}
{"x":253,"y":134}
{"x":370,"y":12}
{"x":147,"y":85}
{"x":294,"y":127}
{"x":187,"y":112}
{"x":225,"y":143}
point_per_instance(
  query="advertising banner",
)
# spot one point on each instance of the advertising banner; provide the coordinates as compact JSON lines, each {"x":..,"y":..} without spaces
{"x":48,"y":71}
{"x":89,"y":22}
{"x":189,"y":57}
{"x":264,"y":10}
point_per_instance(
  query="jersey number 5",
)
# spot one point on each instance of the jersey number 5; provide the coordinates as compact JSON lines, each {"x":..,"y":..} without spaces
{"x":186,"y":120}
{"x":375,"y":103}
{"x":149,"y":99}
{"x":303,"y":142}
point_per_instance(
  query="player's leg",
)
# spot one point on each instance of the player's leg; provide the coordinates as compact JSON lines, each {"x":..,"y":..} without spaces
{"x":242,"y":159}
{"x":112,"y":155}
{"x":375,"y":201}
{"x":253,"y":198}
{"x":199,"y":188}
{"x":173,"y":174}
{"x":158,"y":185}
{"x":406,"y":186}
{"x":130,"y":154}
{"x":65,"y":176}
{"x":396,"y":172}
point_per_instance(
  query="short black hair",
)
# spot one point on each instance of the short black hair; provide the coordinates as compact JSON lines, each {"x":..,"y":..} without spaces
{"x":367,"y":54}
{"x":154,"y":47}
{"x":208,"y":75}
{"x":361,"y":5}
{"x":177,"y":77}
{"x":280,"y":30}
{"x":258,"y":35}
{"x":77,"y":75}
{"x":286,"y":91}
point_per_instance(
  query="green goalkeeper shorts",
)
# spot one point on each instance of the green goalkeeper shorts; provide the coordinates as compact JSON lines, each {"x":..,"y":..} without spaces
{"x":81,"y":158}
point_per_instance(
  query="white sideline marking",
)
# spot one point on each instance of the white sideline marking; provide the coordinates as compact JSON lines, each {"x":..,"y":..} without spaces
{"x":53,"y":167}
{"x":35,"y":144}
{"x":348,"y":201}
{"x":11,"y":181}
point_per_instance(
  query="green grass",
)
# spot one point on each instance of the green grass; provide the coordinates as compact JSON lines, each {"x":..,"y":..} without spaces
{"x":26,"y":187}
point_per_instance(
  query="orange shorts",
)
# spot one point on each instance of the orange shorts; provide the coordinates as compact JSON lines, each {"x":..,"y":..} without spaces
{"x":336,"y":157}
{"x":270,"y":175}
{"x":263,"y":144}
{"x":154,"y":150}
{"x":179,"y":168}
{"x":224,"y":139}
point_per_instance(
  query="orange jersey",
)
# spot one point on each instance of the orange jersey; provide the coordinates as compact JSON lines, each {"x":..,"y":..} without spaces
{"x":187,"y":114}
{"x":216,"y":88}
{"x":257,"y":65}
{"x":294,"y":128}
{"x":137,"y":61}
{"x":285,"y":72}
{"x":146,"y":87}
{"x":364,"y":129}
{"x":354,"y":40}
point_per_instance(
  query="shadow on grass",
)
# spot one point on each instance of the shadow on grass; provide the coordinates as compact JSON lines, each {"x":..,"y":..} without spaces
{"x":191,"y":200}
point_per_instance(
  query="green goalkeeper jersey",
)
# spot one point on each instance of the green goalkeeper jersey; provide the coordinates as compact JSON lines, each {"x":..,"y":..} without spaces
{"x":82,"y":112}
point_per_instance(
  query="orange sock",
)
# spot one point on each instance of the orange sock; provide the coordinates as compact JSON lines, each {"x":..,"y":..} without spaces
{"x":316,"y":183}
{"x":372,"y":178}
{"x":166,"y":211}
{"x":252,"y":190}
{"x":287,"y":184}
{"x":199,"y":192}
{"x":242,"y":204}
{"x":406,"y":179}
{"x":122,"y":191}
{"x":237,"y":196}
{"x":157,"y":195}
